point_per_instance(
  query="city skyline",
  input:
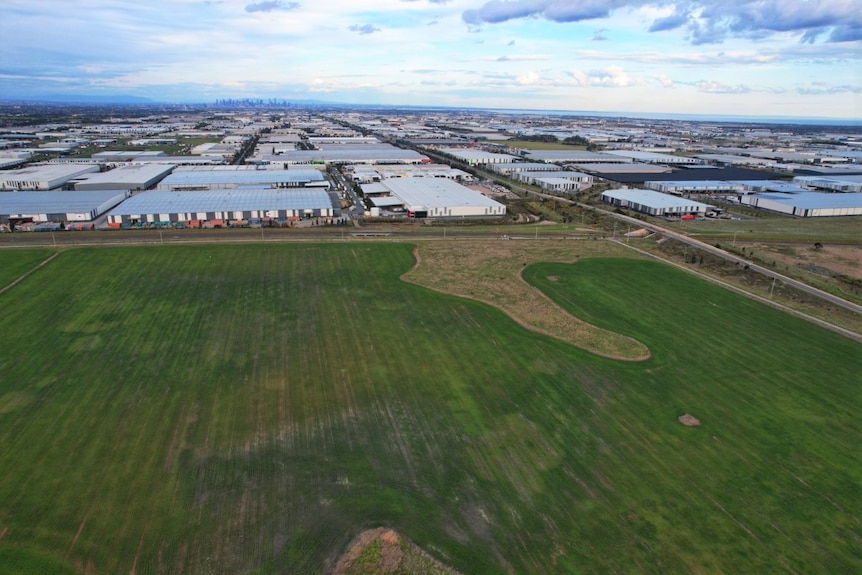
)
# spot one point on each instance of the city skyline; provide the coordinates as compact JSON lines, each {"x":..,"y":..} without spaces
{"x":743,"y":58}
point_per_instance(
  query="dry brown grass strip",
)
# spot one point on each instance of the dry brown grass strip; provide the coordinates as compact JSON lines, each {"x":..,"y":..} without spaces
{"x":489,"y":271}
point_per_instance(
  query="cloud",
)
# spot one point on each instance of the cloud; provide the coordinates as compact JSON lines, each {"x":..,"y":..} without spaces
{"x":522,"y":58}
{"x":704,"y":21}
{"x":511,"y":43}
{"x":664,"y":81}
{"x":610,"y":77}
{"x":272,"y":5}
{"x":711,"y":87}
{"x":820,"y":89}
{"x":364,"y":29}
{"x":599,"y":35}
{"x":672,"y":22}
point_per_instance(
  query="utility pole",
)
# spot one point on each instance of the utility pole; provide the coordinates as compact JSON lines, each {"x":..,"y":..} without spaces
{"x":772,"y":289}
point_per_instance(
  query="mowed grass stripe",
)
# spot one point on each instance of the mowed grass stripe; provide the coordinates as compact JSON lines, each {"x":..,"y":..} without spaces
{"x":248,"y":409}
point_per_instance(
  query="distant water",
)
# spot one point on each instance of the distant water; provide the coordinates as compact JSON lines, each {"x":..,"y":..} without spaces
{"x":717,"y":118}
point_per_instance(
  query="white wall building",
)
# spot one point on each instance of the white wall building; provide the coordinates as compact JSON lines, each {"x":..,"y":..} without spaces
{"x":440,"y":198}
{"x":44,"y":177}
{"x":654,"y":203}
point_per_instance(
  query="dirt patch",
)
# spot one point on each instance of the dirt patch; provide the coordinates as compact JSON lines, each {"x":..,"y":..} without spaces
{"x":382,"y":551}
{"x":689,"y":420}
{"x":490,"y":272}
{"x":828,"y":259}
{"x":553,"y":278}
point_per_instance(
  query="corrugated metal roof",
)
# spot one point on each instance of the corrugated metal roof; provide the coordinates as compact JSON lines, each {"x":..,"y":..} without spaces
{"x":653,"y":199}
{"x":241,"y":178}
{"x":436,"y":193}
{"x":816,"y":200}
{"x":245,"y":199}
{"x":55,"y":202}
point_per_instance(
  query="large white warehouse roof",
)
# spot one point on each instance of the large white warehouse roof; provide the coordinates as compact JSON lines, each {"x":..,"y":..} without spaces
{"x":239,"y":178}
{"x":437,"y":193}
{"x":166,"y":202}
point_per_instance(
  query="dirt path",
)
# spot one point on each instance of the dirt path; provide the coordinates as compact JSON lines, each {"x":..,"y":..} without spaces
{"x":25,"y":275}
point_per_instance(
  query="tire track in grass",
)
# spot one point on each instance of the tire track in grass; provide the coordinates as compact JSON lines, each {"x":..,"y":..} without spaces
{"x":29,"y":273}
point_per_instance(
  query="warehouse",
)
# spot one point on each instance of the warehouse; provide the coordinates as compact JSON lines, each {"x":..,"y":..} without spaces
{"x":521,"y":167}
{"x":655,"y":203}
{"x":478,"y":157}
{"x":575,"y":157}
{"x":44,"y":177}
{"x":679,"y":188}
{"x":223,"y":206}
{"x":585,"y":180}
{"x":807,"y":204}
{"x":347,"y":154}
{"x":559,"y":185}
{"x":57,"y":206}
{"x":439,"y":198}
{"x":844,"y":184}
{"x":136,"y":177}
{"x":197,"y":180}
{"x":654,"y":158}
{"x":365,"y":174}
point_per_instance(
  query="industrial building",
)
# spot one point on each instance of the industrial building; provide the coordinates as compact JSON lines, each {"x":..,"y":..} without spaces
{"x":43,"y":177}
{"x":559,"y":185}
{"x":807,"y":204}
{"x":223,"y":206}
{"x":478,"y":157}
{"x":844,"y":184}
{"x":432,"y":198}
{"x":655,"y":203}
{"x":520,"y":167}
{"x":655,"y":158}
{"x":346,"y":154}
{"x":366,"y":174}
{"x":679,"y":188}
{"x":57,"y":206}
{"x":134,"y":177}
{"x":575,"y":157}
{"x":197,"y":180}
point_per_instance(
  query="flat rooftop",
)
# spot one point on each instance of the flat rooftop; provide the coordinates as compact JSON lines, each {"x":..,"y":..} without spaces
{"x":436,"y":193}
{"x":165,"y":202}
{"x":815,"y":200}
{"x":256,"y":178}
{"x":56,"y":202}
{"x":653,"y":199}
{"x":47,"y":172}
{"x":131,"y":175}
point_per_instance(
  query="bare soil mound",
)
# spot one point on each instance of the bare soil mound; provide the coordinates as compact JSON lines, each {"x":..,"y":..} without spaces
{"x":382,"y":551}
{"x":689,"y":420}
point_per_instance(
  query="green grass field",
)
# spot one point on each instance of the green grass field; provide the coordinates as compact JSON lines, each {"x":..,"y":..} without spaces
{"x":250,"y":409}
{"x":15,"y":263}
{"x":775,"y":227}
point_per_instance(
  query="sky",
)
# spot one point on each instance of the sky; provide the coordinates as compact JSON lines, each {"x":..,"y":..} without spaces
{"x":792,"y":58}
